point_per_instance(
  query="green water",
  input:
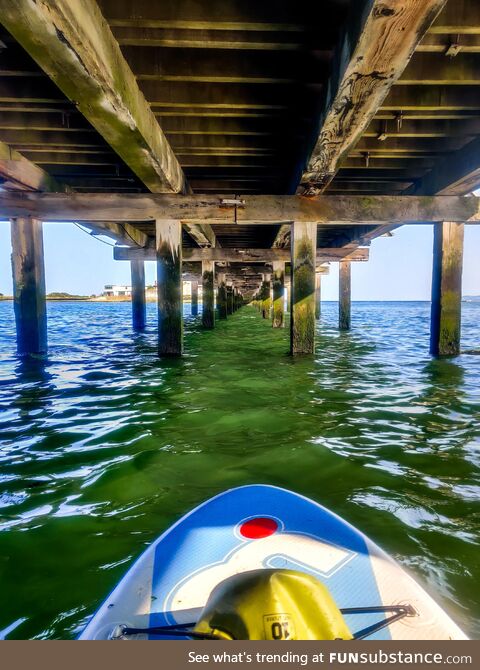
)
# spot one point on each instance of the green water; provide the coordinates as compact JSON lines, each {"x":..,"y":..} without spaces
{"x":103,"y":446}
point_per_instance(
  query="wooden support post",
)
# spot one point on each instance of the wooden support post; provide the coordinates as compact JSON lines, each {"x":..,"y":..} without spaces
{"x":208,"y":294}
{"x":194,"y":297}
{"x":344,"y":298}
{"x":266,"y":295}
{"x":222,"y":296}
{"x":302,"y":322}
{"x":229,"y":299}
{"x":446,"y":289}
{"x":318,"y":295}
{"x":139,"y":313}
{"x":278,"y":294}
{"x":29,"y":286}
{"x":169,"y":287}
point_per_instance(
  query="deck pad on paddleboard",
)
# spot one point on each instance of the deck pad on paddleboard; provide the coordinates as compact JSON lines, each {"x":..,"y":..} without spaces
{"x":259,"y":526}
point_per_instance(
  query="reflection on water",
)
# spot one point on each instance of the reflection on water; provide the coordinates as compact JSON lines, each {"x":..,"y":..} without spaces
{"x":103,"y":446}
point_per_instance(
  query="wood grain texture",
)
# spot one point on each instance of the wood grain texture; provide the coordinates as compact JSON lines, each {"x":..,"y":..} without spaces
{"x":228,"y":255}
{"x":73,"y":44}
{"x":344,"y":295}
{"x":377,"y":45}
{"x":302,"y":321}
{"x":20,"y":173}
{"x":257,"y":209}
{"x":208,"y":294}
{"x":446,"y":289}
{"x":278,"y":286}
{"x":28,"y":271}
{"x":169,"y":288}
{"x":139,"y":308}
{"x":221,"y":295}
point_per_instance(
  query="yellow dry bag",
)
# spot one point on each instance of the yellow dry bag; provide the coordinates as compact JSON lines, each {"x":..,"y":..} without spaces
{"x":272,"y":605}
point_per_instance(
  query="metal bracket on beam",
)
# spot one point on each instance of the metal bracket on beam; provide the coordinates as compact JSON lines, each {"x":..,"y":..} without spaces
{"x":232,"y":203}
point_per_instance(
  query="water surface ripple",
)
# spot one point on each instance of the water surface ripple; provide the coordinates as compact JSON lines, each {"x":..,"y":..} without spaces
{"x":103,"y":446}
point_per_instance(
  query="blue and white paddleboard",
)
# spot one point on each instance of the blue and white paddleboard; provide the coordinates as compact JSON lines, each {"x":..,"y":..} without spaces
{"x":254,"y":527}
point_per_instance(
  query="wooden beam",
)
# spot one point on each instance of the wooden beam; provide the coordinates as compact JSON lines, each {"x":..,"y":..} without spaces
{"x":266,"y":291}
{"x":74,"y":45}
{"x":194,"y":297}
{"x":431,"y":98}
{"x":263,"y":67}
{"x":302,"y":321}
{"x":139,"y":313}
{"x":433,"y":43}
{"x":29,"y":286}
{"x":124,"y":233}
{"x":459,"y":17}
{"x":19,"y":172}
{"x":202,"y":234}
{"x":344,"y":299}
{"x":457,"y":174}
{"x":50,"y":157}
{"x":169,"y":287}
{"x":278,"y":285}
{"x":282,"y":238}
{"x":221,"y":295}
{"x":367,"y":162}
{"x":229,"y":290}
{"x":326,"y":210}
{"x":318,"y":295}
{"x":371,"y":56}
{"x":393,"y":145}
{"x":432,"y":70}
{"x":446,"y":289}
{"x":214,"y":96}
{"x":240,"y":255}
{"x":426,"y":128}
{"x":185,"y":38}
{"x":208,"y":294}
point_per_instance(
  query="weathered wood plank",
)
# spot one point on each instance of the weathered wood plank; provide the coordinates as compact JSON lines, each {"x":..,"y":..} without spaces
{"x":208,"y":294}
{"x":428,"y":69}
{"x":29,"y":286}
{"x":229,"y":255}
{"x":457,"y":174}
{"x":302,"y":321}
{"x":221,"y":295}
{"x":318,"y":295}
{"x":446,"y":289}
{"x":229,"y":289}
{"x":169,"y":288}
{"x":194,"y":297}
{"x":139,"y":311}
{"x":344,"y":296}
{"x":202,"y":234}
{"x":458,"y":18}
{"x":73,"y":44}
{"x":256,"y":209}
{"x":282,"y":238}
{"x":436,"y":99}
{"x":266,"y":291}
{"x":376,"y":47}
{"x":21,"y":173}
{"x":124,"y":233}
{"x":278,"y":285}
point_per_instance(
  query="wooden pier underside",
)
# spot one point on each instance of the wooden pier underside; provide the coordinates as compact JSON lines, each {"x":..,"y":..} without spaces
{"x":347,"y":114}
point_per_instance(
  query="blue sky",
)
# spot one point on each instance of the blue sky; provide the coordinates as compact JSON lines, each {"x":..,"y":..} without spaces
{"x":399,"y":267}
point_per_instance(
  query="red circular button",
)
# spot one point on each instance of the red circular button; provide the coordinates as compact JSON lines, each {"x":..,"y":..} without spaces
{"x":254,"y":529}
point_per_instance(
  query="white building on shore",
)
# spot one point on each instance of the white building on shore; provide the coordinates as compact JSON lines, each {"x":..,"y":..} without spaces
{"x":116,"y":290}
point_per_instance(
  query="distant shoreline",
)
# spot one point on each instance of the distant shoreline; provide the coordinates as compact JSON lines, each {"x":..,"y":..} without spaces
{"x":8,"y":298}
